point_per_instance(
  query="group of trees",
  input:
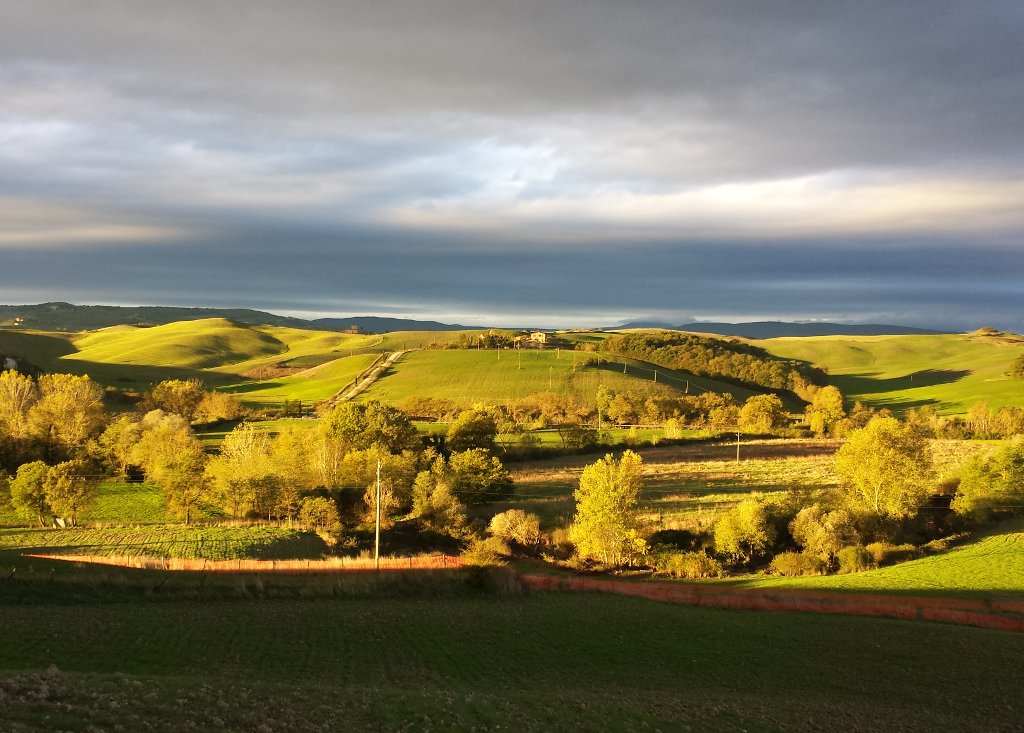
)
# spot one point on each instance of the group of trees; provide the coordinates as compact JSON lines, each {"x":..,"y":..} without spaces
{"x":886,"y":477}
{"x":714,"y":357}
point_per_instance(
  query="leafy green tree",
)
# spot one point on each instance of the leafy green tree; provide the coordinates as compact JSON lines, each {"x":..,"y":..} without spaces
{"x":603,"y":401}
{"x":822,"y":533}
{"x":1017,"y":367}
{"x":478,"y":477}
{"x":241,"y":470}
{"x":69,"y":490}
{"x":605,"y":526}
{"x":989,"y":481}
{"x":472,"y":429}
{"x":319,"y":513}
{"x":826,"y":410}
{"x":762,"y":413}
{"x":174,"y":460}
{"x":116,"y":443}
{"x":28,"y":497}
{"x":885,"y":469}
{"x":435,"y":503}
{"x":359,"y":426}
{"x":744,"y":531}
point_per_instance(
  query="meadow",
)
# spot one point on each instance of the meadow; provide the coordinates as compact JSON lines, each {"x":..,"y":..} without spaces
{"x":472,"y":660}
{"x":949,"y":372}
{"x":991,"y":566}
{"x":501,"y":376}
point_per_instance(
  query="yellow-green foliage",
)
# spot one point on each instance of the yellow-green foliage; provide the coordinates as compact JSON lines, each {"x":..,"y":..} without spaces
{"x":951,"y":372}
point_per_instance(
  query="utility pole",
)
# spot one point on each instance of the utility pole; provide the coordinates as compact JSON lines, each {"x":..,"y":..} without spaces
{"x":737,"y":446}
{"x":550,"y":370}
{"x":376,"y":542}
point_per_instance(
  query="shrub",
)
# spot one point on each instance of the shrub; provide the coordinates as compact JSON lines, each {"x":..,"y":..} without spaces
{"x":854,"y":558}
{"x":886,"y":553}
{"x":792,"y":564}
{"x":518,"y":526}
{"x":687,"y":565}
{"x":487,"y":552}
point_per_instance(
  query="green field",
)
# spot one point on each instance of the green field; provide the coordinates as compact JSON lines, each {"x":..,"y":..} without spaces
{"x":465,"y":661}
{"x":311,"y":385}
{"x":992,"y":565}
{"x":210,"y":543}
{"x":948,"y":372}
{"x":502,"y":376}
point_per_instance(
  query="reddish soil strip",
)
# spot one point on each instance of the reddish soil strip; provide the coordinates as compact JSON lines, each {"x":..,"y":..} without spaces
{"x":1001,"y":615}
{"x":329,"y":565}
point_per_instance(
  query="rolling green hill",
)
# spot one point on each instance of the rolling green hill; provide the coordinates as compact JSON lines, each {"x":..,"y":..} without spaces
{"x":501,"y":376}
{"x":949,"y":372}
{"x":990,"y":565}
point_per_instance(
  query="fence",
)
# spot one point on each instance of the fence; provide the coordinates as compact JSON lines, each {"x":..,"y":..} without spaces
{"x":990,"y":614}
{"x":327,"y":565}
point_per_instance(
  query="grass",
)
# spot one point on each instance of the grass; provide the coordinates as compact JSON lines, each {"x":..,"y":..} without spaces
{"x":948,"y":372}
{"x":502,"y":376}
{"x":310,"y":385}
{"x":211,"y":543}
{"x":478,"y":662}
{"x":989,"y":565}
{"x":684,"y":486}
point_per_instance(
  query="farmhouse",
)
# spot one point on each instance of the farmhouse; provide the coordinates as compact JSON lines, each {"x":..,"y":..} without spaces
{"x":354,"y":329}
{"x":539,"y":337}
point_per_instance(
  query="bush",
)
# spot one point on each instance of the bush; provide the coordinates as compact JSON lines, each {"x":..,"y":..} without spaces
{"x":792,"y":564}
{"x":886,"y":553}
{"x":518,"y":526}
{"x":687,"y":565}
{"x":483,"y":553}
{"x":854,"y":558}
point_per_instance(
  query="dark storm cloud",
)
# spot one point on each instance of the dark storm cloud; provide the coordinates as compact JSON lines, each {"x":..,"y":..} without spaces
{"x":574,"y":160}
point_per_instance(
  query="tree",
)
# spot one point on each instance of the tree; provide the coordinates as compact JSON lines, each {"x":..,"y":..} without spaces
{"x":319,"y":513}
{"x":476,"y":476}
{"x":826,"y":410}
{"x":360,"y":426}
{"x":472,"y":429}
{"x":68,"y":412}
{"x":1017,"y":367}
{"x":989,"y":481}
{"x":603,"y":401}
{"x":884,"y":468}
{"x":517,"y":526}
{"x":762,"y":413}
{"x":239,"y":471}
{"x":605,"y":526}
{"x":68,"y":490}
{"x":17,"y":394}
{"x":27,"y":494}
{"x":117,"y":442}
{"x":173,"y":459}
{"x":822,"y":533}
{"x":434,"y":502}
{"x":179,"y":396}
{"x":744,"y":531}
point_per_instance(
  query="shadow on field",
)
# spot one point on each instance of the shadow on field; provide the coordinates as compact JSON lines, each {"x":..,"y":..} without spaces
{"x":870,"y":383}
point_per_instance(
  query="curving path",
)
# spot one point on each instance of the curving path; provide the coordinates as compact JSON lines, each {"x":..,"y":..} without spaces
{"x":374,"y":374}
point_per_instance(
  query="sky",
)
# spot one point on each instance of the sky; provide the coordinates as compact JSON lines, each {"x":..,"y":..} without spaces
{"x":552,"y":162}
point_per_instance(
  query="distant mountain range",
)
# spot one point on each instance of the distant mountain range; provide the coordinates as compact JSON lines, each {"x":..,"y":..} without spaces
{"x":68,"y":317}
{"x":782,"y":329}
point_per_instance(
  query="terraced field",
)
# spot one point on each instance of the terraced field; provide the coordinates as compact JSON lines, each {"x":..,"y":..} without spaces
{"x":949,"y":372}
{"x":463,"y":661}
{"x":210,"y":543}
